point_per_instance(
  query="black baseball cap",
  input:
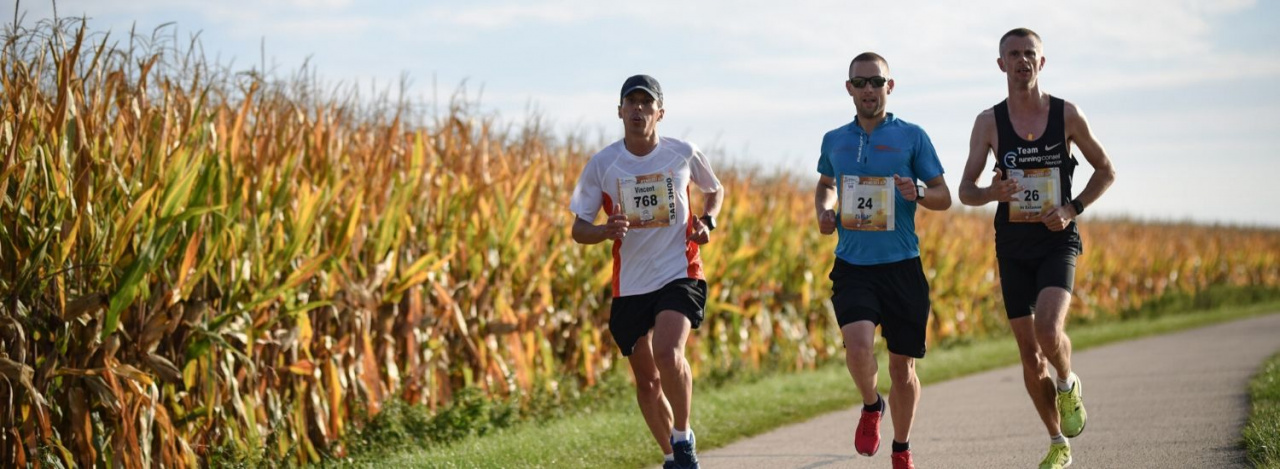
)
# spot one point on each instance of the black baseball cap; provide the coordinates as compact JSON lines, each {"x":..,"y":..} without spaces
{"x":642,"y":82}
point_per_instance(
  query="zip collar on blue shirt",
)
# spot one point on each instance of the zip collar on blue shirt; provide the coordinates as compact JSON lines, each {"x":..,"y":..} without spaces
{"x":863,"y":137}
{"x":888,"y":118}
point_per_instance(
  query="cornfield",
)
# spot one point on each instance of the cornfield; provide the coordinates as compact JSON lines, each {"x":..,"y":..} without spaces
{"x":200,"y":261}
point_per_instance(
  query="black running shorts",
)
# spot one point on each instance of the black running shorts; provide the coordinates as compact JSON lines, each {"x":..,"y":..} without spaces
{"x":1021,"y":280}
{"x":631,"y":317}
{"x":894,"y":296}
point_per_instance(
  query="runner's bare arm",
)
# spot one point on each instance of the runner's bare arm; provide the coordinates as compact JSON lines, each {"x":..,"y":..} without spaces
{"x":824,"y":201}
{"x":981,"y":143}
{"x":615,"y":227}
{"x":937,"y":196}
{"x":711,"y":202}
{"x":1104,"y":174}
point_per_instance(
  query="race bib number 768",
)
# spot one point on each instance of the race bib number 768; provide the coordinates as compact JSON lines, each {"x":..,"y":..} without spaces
{"x":649,"y":201}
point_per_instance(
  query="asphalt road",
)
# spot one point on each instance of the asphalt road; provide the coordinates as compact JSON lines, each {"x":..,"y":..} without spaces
{"x":1171,"y":401}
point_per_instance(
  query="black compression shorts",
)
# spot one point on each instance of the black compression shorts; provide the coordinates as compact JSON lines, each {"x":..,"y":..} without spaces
{"x":1021,"y":280}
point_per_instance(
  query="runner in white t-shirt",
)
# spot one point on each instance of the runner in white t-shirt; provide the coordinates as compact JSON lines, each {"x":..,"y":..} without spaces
{"x":642,"y":182}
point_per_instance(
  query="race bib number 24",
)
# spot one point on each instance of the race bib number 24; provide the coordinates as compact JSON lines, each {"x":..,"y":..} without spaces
{"x":866,"y":203}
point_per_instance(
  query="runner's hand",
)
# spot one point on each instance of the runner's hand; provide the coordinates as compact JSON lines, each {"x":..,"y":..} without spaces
{"x":827,"y":222}
{"x":1058,"y":218}
{"x":906,"y":187}
{"x":1003,"y":190}
{"x":700,"y":234}
{"x":616,"y":227}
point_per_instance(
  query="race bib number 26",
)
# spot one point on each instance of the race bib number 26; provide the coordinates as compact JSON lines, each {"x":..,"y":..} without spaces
{"x":866,"y":203}
{"x":649,"y":200}
{"x":1039,"y":194}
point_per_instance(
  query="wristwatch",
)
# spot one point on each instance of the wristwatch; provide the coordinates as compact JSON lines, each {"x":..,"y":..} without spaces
{"x":920,"y":191}
{"x":709,"y":221}
{"x":1078,"y":205}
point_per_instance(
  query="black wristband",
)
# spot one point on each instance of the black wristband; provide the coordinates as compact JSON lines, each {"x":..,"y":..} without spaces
{"x":708,"y":221}
{"x":1078,"y":205}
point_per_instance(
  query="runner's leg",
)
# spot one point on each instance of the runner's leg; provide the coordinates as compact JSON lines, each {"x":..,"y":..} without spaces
{"x":1050,"y":319}
{"x":670,"y":332}
{"x":904,"y":395}
{"x":1035,"y":372}
{"x":859,"y":354}
{"x":653,"y":404}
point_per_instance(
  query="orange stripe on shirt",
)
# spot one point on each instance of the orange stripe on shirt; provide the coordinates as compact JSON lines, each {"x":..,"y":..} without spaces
{"x":691,"y":254}
{"x":617,"y":251}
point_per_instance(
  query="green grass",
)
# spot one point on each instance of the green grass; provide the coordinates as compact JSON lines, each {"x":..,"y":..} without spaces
{"x":1262,"y":433}
{"x":614,"y":435}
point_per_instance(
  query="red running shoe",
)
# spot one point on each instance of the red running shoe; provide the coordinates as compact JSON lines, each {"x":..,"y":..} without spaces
{"x":866,"y":440}
{"x":902,"y":460}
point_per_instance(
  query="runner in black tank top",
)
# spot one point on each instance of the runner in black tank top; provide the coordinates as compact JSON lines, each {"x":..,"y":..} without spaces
{"x":1050,"y":150}
{"x":1037,"y":242}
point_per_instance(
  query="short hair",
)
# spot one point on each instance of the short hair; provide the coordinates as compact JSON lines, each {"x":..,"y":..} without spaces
{"x":1018,"y":32}
{"x":870,"y":57}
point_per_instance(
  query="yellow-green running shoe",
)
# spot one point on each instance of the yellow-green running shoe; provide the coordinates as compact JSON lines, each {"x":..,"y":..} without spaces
{"x":1059,"y":457}
{"x":1071,"y":409}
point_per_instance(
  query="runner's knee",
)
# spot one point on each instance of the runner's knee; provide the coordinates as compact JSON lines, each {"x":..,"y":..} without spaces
{"x":1048,"y":335}
{"x":860,"y":350}
{"x":1033,"y":360}
{"x":667,"y":358}
{"x":648,"y":387}
{"x":859,"y":337}
{"x":902,"y":371}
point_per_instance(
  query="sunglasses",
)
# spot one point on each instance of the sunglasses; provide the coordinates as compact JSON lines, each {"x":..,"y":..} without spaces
{"x":876,"y":81}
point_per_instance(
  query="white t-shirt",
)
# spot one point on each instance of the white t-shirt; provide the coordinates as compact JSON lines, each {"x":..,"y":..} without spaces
{"x":654,"y":192}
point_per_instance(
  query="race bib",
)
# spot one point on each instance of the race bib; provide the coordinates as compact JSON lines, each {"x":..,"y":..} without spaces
{"x":649,"y":201}
{"x":1039,"y":194}
{"x":866,"y":203}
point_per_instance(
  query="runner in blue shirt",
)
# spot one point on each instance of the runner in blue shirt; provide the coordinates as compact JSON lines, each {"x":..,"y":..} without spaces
{"x":868,"y":193}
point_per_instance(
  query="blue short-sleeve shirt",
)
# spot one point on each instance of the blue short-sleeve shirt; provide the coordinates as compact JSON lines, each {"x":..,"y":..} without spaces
{"x":894,"y":147}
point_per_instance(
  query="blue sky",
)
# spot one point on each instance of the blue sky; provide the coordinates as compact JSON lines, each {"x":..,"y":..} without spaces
{"x":1183,"y":94}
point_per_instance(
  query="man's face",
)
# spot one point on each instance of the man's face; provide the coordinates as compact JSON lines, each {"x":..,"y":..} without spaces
{"x":640,"y":112}
{"x":1020,"y":59}
{"x":867,"y":98}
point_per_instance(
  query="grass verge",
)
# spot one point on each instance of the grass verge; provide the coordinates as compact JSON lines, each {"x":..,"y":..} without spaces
{"x":615,"y":435}
{"x":1262,"y":433}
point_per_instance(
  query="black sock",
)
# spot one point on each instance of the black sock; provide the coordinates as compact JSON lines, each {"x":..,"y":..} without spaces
{"x":900,"y":447}
{"x":877,"y":407}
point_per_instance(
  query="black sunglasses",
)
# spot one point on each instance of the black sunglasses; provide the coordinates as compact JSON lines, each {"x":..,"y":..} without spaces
{"x":876,"y":81}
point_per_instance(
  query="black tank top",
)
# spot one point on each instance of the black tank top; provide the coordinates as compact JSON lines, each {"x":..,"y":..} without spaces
{"x":1032,"y":240}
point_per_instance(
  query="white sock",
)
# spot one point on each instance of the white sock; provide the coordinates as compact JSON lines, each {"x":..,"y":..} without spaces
{"x":668,"y":457}
{"x":678,"y":435}
{"x":1065,"y":384}
{"x":1059,"y":440}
